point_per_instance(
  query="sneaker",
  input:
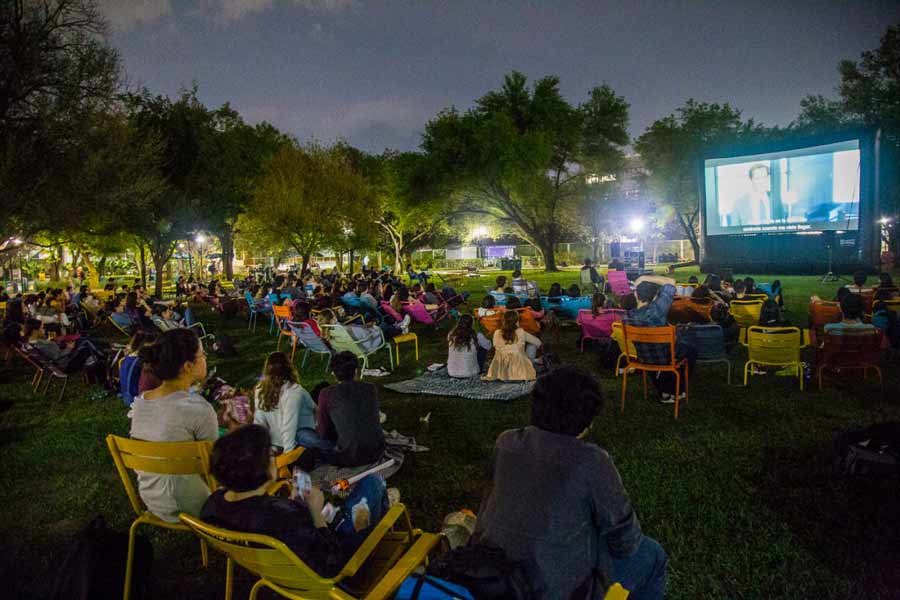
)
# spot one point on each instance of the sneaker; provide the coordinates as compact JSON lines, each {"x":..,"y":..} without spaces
{"x":393,"y":495}
{"x":667,"y":399}
{"x":361,"y":516}
{"x":404,"y":324}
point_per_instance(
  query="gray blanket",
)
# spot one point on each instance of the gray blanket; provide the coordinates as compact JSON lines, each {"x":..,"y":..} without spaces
{"x":441,"y":384}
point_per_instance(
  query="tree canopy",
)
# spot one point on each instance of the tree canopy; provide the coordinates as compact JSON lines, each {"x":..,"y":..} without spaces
{"x":521,"y":155}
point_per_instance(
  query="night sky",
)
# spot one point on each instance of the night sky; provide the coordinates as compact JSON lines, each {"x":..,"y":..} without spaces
{"x":374,"y":72}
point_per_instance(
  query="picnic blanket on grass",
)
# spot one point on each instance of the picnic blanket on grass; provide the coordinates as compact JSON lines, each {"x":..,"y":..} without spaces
{"x":441,"y":384}
{"x":396,"y":447}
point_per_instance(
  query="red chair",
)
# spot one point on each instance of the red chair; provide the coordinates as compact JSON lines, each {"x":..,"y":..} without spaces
{"x":598,"y":327}
{"x":420,"y":314}
{"x":654,"y":335}
{"x":389,"y":310}
{"x":850,"y":350}
{"x":820,"y":314}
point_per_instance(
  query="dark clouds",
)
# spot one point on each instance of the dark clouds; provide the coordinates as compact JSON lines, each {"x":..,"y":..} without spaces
{"x":374,"y":72}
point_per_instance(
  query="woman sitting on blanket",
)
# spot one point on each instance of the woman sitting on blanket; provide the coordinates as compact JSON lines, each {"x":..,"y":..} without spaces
{"x":242,"y":462}
{"x":514,"y":350}
{"x":468,"y":349}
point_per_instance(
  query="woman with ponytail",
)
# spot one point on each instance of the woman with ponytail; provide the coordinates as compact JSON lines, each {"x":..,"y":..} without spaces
{"x":173,"y":412}
{"x":514,"y":349}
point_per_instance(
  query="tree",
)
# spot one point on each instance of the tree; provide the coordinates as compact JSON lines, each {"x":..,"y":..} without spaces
{"x":232,"y":154}
{"x":522,"y":155}
{"x":672,"y":147}
{"x":309,"y":197}
{"x":56,"y":74}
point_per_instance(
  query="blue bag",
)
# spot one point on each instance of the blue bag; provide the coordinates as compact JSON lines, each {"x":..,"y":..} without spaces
{"x":426,"y":587}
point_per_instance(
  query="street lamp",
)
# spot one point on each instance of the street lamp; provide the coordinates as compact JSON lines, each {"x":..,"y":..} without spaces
{"x":636,"y":225}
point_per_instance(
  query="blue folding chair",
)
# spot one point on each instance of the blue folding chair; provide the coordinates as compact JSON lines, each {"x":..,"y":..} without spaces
{"x":304,"y":335}
{"x":255,"y":308}
{"x":709,"y":341}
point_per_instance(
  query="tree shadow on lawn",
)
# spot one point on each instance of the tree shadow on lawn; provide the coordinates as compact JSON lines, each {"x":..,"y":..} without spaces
{"x":852,"y":525}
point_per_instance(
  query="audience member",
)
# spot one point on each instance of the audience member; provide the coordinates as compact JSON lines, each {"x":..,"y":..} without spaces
{"x":859,"y":283}
{"x":467,"y":349}
{"x":654,"y":296}
{"x":243,"y":464}
{"x":514,"y":350}
{"x":284,"y":407}
{"x":852,"y":307}
{"x":556,"y":503}
{"x":173,"y":412}
{"x":347,"y":416}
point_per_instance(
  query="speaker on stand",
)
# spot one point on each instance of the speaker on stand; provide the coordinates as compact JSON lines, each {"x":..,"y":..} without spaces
{"x":830,"y":242}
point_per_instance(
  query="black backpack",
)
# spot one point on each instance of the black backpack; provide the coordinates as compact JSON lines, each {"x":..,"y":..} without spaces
{"x":870,"y":452}
{"x":93,"y":567}
{"x":483,"y":570}
{"x":224,"y":346}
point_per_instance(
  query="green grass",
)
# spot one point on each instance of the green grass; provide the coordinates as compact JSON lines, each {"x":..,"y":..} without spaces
{"x":738,"y":490}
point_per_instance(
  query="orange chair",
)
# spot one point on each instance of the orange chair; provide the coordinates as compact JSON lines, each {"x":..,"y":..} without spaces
{"x":654,"y":335}
{"x":850,"y":350}
{"x":528,"y":322}
{"x":491,"y":323}
{"x":282,"y":316}
{"x":688,"y":310}
{"x":821,"y":313}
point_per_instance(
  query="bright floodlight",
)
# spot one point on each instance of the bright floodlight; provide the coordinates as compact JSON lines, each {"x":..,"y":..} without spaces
{"x":480,"y":232}
{"x":884,"y":220}
{"x":636,"y":225}
{"x":200,"y":238}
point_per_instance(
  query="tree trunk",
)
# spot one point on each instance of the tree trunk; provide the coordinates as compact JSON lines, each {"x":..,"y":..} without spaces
{"x":226,"y":240}
{"x":305,"y":266}
{"x":688,"y":226}
{"x":159,"y":263}
{"x":549,"y":252}
{"x":351,"y":262}
{"x":54,"y":264}
{"x":143,"y":265}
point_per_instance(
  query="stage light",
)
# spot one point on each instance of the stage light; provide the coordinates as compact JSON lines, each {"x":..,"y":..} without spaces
{"x":884,"y":220}
{"x":200,"y":239}
{"x":479,"y":232}
{"x":636,"y":225}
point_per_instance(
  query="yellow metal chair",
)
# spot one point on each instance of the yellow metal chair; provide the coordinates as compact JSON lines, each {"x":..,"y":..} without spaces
{"x":165,"y":458}
{"x":2,"y":310}
{"x":401,"y":339}
{"x":121,"y":329}
{"x":616,"y":592}
{"x":618,"y":335}
{"x":746,"y":314}
{"x":388,"y":555}
{"x":775,"y":347}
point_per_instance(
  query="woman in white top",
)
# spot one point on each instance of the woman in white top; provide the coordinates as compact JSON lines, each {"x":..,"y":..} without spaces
{"x":468,"y":349}
{"x":173,"y":412}
{"x":512,"y":361}
{"x":283,"y":406}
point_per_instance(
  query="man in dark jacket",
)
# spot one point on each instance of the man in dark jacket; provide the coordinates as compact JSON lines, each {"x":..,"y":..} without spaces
{"x":556,"y":503}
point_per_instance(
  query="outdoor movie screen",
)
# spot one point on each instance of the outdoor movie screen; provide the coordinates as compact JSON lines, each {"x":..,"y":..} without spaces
{"x":807,"y":189}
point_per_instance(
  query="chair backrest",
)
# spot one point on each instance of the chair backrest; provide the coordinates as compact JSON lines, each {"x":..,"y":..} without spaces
{"x":307,"y":336}
{"x":688,"y":310}
{"x":418,"y":312}
{"x":527,"y":321}
{"x":868,"y":297}
{"x":249,"y":298}
{"x":601,"y":325}
{"x":618,"y":334}
{"x":271,"y":559}
{"x":708,"y":340}
{"x":892,"y":305}
{"x":282,"y":314}
{"x":851,"y":348}
{"x":746,"y":312}
{"x":651,"y":336}
{"x":341,"y":340}
{"x":820,"y":314}
{"x":491,"y":323}
{"x":774,"y":345}
{"x":389,"y":310}
{"x":569,"y":306}
{"x":162,"y":458}
{"x":618,"y":280}
{"x":762,"y":297}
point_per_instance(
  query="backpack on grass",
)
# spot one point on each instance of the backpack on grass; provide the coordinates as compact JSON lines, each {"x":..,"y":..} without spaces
{"x":485,"y":571}
{"x":870,"y":452}
{"x":93,"y":567}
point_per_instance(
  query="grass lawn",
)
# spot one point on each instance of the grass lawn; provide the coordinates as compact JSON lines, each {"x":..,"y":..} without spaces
{"x":739,"y":490}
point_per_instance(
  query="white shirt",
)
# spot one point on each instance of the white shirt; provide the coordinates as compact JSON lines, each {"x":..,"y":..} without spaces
{"x":295,"y":410}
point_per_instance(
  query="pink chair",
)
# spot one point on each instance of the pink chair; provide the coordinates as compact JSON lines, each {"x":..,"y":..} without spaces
{"x":618,"y":281}
{"x":420,"y":314}
{"x":389,"y":310}
{"x":599,"y":327}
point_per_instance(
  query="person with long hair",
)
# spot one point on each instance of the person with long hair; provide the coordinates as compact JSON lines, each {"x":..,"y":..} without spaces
{"x":514,"y":349}
{"x":468,"y":349}
{"x":284,"y":407}
{"x":173,"y":412}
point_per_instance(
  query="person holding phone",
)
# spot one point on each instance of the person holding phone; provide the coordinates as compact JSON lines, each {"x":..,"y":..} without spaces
{"x":243,"y":463}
